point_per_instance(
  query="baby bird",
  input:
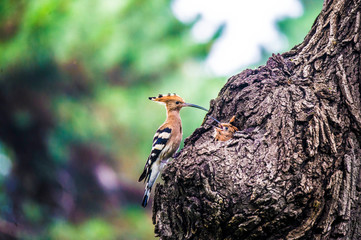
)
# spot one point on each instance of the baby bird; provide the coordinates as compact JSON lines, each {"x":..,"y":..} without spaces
{"x":225,"y":131}
{"x":166,"y":140}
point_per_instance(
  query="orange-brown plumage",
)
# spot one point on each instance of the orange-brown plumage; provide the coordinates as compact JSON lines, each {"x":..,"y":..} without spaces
{"x":225,"y":131}
{"x":166,"y":140}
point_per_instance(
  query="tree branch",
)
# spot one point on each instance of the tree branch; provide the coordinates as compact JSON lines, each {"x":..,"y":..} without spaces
{"x":293,"y":169}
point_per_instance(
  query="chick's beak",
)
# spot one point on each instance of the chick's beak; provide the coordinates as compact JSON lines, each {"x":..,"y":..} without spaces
{"x":195,"y":106}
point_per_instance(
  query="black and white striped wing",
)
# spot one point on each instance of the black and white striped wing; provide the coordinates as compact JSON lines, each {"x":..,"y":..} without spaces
{"x":160,"y":140}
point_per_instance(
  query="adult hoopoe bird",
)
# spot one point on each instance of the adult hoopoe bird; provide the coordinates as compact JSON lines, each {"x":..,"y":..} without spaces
{"x":166,"y":140}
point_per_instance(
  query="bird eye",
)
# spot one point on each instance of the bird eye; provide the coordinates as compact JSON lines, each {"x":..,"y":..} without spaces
{"x":177,"y":102}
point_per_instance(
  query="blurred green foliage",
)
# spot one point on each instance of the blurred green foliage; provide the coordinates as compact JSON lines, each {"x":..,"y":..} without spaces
{"x":295,"y":29}
{"x":86,"y":70}
{"x":74,"y":82}
{"x":133,"y":223}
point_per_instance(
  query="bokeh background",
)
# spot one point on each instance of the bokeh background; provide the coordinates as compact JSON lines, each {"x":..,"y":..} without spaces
{"x":75,"y":122}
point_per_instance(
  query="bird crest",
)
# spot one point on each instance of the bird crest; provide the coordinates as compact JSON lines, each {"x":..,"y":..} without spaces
{"x":166,"y":98}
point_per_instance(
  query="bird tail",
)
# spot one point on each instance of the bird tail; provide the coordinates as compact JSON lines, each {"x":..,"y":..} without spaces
{"x":146,"y":197}
{"x":148,"y":188}
{"x":144,"y":174}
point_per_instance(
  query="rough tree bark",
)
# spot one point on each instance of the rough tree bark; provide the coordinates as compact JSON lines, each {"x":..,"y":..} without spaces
{"x":293,"y":169}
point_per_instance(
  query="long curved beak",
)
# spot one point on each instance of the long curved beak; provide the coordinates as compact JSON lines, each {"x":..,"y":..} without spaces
{"x":216,"y":121}
{"x":195,"y":106}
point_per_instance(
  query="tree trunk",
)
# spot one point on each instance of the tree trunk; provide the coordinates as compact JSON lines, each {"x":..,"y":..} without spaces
{"x":292,"y":171}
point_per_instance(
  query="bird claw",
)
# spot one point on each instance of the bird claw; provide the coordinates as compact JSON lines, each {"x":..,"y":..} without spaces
{"x":162,"y":164}
{"x":175,"y":155}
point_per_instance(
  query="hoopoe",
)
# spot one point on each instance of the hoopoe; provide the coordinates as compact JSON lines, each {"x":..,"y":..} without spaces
{"x":166,"y":140}
{"x":225,"y":131}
